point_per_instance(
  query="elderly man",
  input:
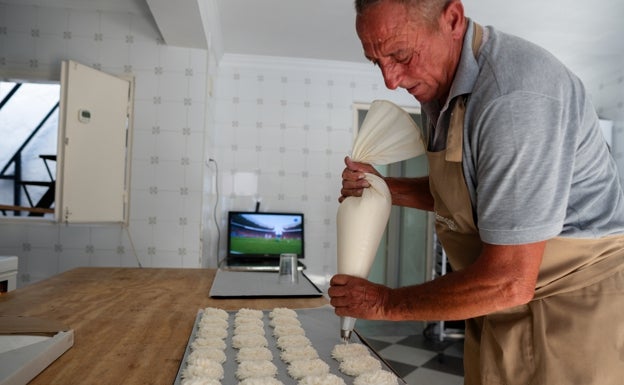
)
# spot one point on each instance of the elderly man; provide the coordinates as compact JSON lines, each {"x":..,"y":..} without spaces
{"x":526,"y":197}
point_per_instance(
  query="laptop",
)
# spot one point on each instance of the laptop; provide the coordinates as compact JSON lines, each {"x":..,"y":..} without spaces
{"x":255,"y":240}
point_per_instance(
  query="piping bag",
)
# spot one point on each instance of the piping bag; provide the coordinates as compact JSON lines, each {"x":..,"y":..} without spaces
{"x":388,"y":134}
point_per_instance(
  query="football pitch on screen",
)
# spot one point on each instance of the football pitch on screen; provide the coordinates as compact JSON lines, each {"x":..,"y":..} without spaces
{"x":265,"y":246}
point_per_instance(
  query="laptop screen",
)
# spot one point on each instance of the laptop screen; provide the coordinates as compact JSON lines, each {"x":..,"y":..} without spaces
{"x":264,"y":234}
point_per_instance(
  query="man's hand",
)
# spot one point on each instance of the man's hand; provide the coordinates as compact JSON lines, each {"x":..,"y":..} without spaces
{"x":357,"y":297}
{"x":353,"y":182}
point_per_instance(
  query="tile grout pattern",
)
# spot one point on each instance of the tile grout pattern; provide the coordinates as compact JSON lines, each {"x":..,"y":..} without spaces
{"x":417,"y":358}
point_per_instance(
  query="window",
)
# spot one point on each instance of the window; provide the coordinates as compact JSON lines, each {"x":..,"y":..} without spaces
{"x":29,"y":131}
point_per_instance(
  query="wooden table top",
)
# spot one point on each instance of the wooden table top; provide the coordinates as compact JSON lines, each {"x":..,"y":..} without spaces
{"x":131,"y":325}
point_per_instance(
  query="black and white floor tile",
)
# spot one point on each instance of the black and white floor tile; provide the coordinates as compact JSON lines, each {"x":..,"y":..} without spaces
{"x":419,"y":356}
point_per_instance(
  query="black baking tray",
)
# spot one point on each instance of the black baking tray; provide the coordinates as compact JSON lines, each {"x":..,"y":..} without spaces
{"x":318,"y":324}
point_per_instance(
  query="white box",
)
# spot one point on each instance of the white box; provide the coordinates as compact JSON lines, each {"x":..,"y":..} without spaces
{"x":8,"y":272}
{"x":27,"y":356}
{"x":28,"y":345}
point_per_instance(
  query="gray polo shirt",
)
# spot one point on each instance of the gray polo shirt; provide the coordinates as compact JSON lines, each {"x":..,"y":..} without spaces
{"x":534,"y":159}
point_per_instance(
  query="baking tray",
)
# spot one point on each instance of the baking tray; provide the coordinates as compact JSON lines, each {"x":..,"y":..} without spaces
{"x":321,"y":326}
{"x":244,"y":284}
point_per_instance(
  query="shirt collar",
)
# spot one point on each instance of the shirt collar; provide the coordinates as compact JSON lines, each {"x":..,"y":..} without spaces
{"x":465,"y":76}
{"x":467,"y":68}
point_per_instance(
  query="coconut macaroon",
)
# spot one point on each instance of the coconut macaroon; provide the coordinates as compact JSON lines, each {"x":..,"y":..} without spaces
{"x":204,"y":369}
{"x":199,"y":381}
{"x":208,"y":342}
{"x":212,"y":332}
{"x":288,"y":330}
{"x":261,"y":381}
{"x":212,"y":321}
{"x":376,"y":377}
{"x":238,"y":321}
{"x":354,"y":366}
{"x":284,"y":320}
{"x":215,"y":312}
{"x":341,"y":352}
{"x":252,"y":313}
{"x":286,"y":342}
{"x":262,"y":368}
{"x":214,"y":354}
{"x":254,"y":354}
{"x":249,"y":341}
{"x":303,"y":368}
{"x":282,"y":311}
{"x":327,"y":379}
{"x":249,"y":328}
{"x":298,"y":353}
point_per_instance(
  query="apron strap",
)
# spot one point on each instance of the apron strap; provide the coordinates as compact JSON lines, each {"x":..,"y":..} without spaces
{"x":455,"y":136}
{"x":477,"y":39}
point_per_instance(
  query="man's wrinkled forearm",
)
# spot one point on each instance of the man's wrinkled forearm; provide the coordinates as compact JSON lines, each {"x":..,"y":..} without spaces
{"x":411,"y":192}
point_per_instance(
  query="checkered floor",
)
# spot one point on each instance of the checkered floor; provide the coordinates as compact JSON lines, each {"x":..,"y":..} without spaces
{"x":417,"y":358}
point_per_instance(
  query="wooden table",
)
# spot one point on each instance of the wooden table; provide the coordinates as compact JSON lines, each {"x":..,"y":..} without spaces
{"x":131,"y":325}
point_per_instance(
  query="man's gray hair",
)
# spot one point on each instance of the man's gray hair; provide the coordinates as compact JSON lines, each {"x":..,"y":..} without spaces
{"x":429,"y":9}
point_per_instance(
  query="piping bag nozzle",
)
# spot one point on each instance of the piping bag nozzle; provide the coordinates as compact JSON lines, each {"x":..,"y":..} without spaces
{"x":346,"y":327}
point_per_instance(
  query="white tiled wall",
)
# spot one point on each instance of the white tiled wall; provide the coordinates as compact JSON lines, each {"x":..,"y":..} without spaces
{"x":276,"y":129}
{"x":168,"y":153}
{"x":282,"y":128}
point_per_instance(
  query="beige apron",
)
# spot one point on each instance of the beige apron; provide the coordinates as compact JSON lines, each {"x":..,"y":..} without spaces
{"x":572,"y":332}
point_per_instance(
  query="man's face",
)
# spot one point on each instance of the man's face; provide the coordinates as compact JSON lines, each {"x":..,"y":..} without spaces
{"x":410,"y":53}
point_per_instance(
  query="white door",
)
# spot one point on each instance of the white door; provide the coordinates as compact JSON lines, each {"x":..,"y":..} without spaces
{"x":93,"y":146}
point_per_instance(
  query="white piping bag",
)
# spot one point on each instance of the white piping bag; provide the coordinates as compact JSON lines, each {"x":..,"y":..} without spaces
{"x":388,"y":134}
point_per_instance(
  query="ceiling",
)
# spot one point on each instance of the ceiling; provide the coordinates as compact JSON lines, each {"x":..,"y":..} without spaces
{"x":581,"y":33}
{"x":584,"y":34}
{"x":325,"y":28}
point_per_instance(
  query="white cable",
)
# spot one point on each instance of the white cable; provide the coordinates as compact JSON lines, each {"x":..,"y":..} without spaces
{"x":214,"y":210}
{"x":132,"y":244}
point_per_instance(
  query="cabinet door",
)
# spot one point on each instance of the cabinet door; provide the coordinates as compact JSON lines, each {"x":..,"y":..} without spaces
{"x":93,"y":146}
